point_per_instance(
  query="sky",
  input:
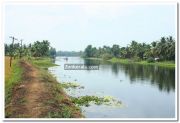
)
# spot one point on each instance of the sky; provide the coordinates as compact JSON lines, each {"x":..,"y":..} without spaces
{"x":73,"y":26}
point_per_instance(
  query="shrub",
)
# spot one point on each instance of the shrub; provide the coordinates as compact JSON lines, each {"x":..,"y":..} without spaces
{"x":107,"y":56}
{"x":150,"y":60}
{"x":136,"y":59}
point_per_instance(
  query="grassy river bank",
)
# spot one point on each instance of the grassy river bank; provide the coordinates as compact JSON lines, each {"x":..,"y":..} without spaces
{"x":167,"y":64}
{"x":31,"y":91}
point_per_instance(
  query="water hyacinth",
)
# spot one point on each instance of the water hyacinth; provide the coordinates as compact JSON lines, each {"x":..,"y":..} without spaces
{"x":111,"y":101}
{"x":87,"y":100}
{"x":71,"y":85}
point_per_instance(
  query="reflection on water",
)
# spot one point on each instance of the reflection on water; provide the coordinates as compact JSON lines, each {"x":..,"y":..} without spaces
{"x":163,"y":78}
{"x":137,"y":86}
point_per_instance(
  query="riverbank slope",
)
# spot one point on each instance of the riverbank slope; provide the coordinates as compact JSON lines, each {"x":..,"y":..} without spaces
{"x":37,"y":94}
{"x":167,"y":64}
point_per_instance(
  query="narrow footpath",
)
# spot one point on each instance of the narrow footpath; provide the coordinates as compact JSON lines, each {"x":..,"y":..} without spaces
{"x":32,"y":98}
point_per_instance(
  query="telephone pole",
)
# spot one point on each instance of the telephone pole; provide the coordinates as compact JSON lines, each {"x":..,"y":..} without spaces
{"x":11,"y":54}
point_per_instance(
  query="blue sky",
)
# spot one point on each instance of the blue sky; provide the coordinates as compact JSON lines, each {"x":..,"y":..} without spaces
{"x":71,"y":26}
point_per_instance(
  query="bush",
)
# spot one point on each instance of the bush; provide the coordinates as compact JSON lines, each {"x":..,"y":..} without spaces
{"x":107,"y":56}
{"x":150,"y":60}
{"x":136,"y":59}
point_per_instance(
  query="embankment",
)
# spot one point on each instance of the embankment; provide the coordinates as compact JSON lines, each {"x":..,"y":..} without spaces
{"x":37,"y":94}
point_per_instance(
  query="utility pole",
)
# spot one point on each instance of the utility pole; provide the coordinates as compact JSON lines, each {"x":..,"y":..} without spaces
{"x":11,"y":55}
{"x":21,"y":48}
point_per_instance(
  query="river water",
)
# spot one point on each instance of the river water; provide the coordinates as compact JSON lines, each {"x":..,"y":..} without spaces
{"x":145,"y":91}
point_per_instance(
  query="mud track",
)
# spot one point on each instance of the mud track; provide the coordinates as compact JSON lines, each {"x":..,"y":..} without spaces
{"x":29,"y":95}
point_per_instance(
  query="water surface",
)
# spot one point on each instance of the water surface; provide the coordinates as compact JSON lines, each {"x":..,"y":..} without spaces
{"x":145,"y":91}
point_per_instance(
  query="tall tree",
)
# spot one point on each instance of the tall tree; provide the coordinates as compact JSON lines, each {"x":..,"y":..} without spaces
{"x":115,"y":50}
{"x":88,"y":51}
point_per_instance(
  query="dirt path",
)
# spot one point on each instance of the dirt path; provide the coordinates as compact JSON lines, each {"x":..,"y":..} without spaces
{"x":27,"y":97}
{"x":39,"y":96}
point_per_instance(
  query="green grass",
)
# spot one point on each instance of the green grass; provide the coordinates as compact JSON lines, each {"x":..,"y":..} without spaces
{"x":93,"y":58}
{"x":14,"y":79}
{"x":44,"y":62}
{"x":168,"y":64}
{"x":116,"y":60}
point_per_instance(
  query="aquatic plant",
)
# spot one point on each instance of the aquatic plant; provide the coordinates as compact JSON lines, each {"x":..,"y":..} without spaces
{"x":87,"y":100}
{"x":71,"y":85}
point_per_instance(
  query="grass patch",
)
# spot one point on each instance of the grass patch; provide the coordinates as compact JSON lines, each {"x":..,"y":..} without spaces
{"x":93,"y":58}
{"x":14,"y":78}
{"x":168,"y":64}
{"x":43,"y":62}
{"x":124,"y":61}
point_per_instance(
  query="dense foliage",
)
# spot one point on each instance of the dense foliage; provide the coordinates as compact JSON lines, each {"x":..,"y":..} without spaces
{"x":68,"y":53}
{"x":163,"y":49}
{"x":37,"y":49}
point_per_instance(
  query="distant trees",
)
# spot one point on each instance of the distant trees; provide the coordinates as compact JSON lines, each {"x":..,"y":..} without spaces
{"x":163,"y":49}
{"x":52,"y":52}
{"x":89,"y":51}
{"x":37,"y":49}
{"x":115,"y":50}
{"x":68,"y":53}
{"x":40,"y":49}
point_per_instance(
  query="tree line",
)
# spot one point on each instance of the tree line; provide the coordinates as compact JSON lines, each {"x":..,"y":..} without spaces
{"x":162,"y":49}
{"x":69,"y":53}
{"x":37,"y":49}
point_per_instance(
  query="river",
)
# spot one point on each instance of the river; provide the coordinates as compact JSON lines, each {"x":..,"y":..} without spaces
{"x":145,"y":91}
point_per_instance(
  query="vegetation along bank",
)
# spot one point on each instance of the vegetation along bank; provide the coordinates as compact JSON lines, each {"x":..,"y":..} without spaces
{"x":160,"y":53}
{"x":30,"y":91}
